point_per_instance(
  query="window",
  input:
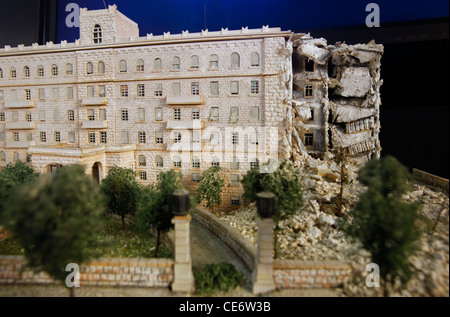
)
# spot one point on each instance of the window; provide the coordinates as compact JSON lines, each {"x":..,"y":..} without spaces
{"x":159,"y":137}
{"x":234,"y":163}
{"x":141,"y":90}
{"x":234,"y":114}
{"x":2,"y":116}
{"x":41,"y":93}
{"x":177,"y":137}
{"x":309,"y":91}
{"x":143,"y":175}
{"x":214,"y":61}
{"x":70,"y":93}
{"x":140,"y":65}
{"x":90,"y":91}
{"x":54,"y":70}
{"x":2,"y":95}
{"x":28,"y":116}
{"x":57,"y":136}
{"x":176,"y":63}
{"x":158,"y":177}
{"x":214,"y":88}
{"x":102,"y":114}
{"x":234,"y":201}
{"x":125,"y":139}
{"x":215,"y":161}
{"x":158,"y":114}
{"x":42,"y":115}
{"x":254,"y":113}
{"x":312,"y":115}
{"x":101,"y":68}
{"x":40,"y":71}
{"x":15,"y":116}
{"x":309,"y":65}
{"x":124,"y":91}
{"x":14,"y":94}
{"x":309,"y":139}
{"x":254,"y":87}
{"x":124,"y":114}
{"x":235,"y":138}
{"x":26,"y":72}
{"x":176,"y":114}
{"x":176,"y":89}
{"x":159,"y":161}
{"x":69,"y":69}
{"x":71,"y":115}
{"x":176,"y":161}
{"x":255,"y":59}
{"x":27,"y":94}
{"x":195,"y":89}
{"x":214,"y":140}
{"x":142,"y":138}
{"x":1,"y":73}
{"x":71,"y":137}
{"x":195,"y":114}
{"x":102,"y":91}
{"x":16,"y":136}
{"x":2,"y":156}
{"x":89,"y":68}
{"x":123,"y":66}
{"x":29,"y":136}
{"x":158,"y":90}
{"x":196,"y":178}
{"x":55,"y":93}
{"x":194,"y":62}
{"x":43,"y":137}
{"x":195,"y":162}
{"x":97,"y":34}
{"x":157,"y":65}
{"x":234,"y":180}
{"x":214,"y":114}
{"x":91,"y":137}
{"x":16,"y":157}
{"x":103,"y":137}
{"x":254,"y":138}
{"x":141,"y":114}
{"x":235,"y":60}
{"x":254,"y":163}
{"x":13,"y":72}
{"x":195,"y":136}
{"x":56,"y":116}
{"x":142,"y":160}
{"x":234,"y":87}
{"x":91,"y":115}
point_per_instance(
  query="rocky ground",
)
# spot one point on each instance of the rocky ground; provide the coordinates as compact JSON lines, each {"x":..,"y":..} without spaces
{"x":314,"y":232}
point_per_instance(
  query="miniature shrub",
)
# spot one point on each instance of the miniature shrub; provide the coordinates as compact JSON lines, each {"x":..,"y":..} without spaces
{"x":217,"y":277}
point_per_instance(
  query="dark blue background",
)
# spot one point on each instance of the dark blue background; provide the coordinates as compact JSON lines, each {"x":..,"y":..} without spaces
{"x":158,"y":16}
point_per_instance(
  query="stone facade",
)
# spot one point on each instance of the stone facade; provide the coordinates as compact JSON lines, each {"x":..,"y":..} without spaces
{"x":154,"y":103}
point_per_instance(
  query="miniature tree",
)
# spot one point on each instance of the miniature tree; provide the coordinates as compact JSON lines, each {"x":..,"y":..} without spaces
{"x":121,"y":191}
{"x":385,"y":225}
{"x":210,"y":187}
{"x":284,"y":183}
{"x":56,"y":219}
{"x":155,"y":205}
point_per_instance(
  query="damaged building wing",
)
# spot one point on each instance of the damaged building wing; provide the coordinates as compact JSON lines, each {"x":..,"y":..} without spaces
{"x":335,"y":99}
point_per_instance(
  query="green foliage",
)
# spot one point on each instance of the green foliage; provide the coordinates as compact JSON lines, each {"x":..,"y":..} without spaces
{"x":385,"y":225}
{"x":210,"y":187}
{"x":121,"y":191}
{"x":217,"y":277}
{"x":55,"y":219}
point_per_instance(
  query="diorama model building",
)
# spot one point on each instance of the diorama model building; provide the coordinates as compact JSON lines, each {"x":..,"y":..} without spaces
{"x":186,"y":101}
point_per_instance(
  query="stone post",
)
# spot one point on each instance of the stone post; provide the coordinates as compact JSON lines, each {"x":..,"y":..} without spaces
{"x":183,"y":279}
{"x":263,"y":273}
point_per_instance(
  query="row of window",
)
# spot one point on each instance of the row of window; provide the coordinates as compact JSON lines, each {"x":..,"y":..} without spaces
{"x":140,"y":66}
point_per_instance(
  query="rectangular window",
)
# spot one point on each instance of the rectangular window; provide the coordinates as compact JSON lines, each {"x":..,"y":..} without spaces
{"x":141,"y":90}
{"x":195,"y":162}
{"x":255,"y":87}
{"x":234,"y":114}
{"x":125,"y":139}
{"x":234,"y":179}
{"x":141,"y":114}
{"x":16,"y":136}
{"x":214,"y":113}
{"x":15,"y":116}
{"x":196,"y":178}
{"x":159,"y":137}
{"x":91,"y":115}
{"x":28,"y":116}
{"x":177,"y":137}
{"x":91,"y":137}
{"x":41,"y":93}
{"x":57,"y":136}
{"x":214,"y":88}
{"x":13,"y":95}
{"x":234,"y":163}
{"x":142,"y":138}
{"x":234,"y":87}
{"x":42,"y":115}
{"x":234,"y":201}
{"x":177,"y":114}
{"x":309,"y":139}
{"x":235,"y":138}
{"x":56,"y":116}
{"x":124,"y":114}
{"x":43,"y":137}
{"x":90,"y":91}
{"x":103,"y":137}
{"x":70,"y":93}
{"x":176,"y":89}
{"x":2,"y":95}
{"x":102,"y":91}
{"x":55,"y":93}
{"x":195,"y":114}
{"x":143,"y":175}
{"x":71,"y":115}
{"x":312,"y":115}
{"x":254,"y":138}
{"x":158,"y":90}
{"x":102,"y":114}
{"x":196,"y":136}
{"x":254,"y":113}
{"x":2,"y":116}
{"x":27,"y":94}
{"x":309,"y":91}
{"x":195,"y":89}
{"x":158,"y":114}
{"x":214,"y":138}
{"x":124,"y":91}
{"x":29,"y":136}
{"x":142,"y":160}
{"x":71,"y":137}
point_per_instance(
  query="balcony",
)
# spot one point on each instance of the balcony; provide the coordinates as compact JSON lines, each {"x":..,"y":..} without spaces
{"x":93,"y":101}
{"x":97,"y":124}
{"x":182,"y":125}
{"x":19,"y":104}
{"x":184,"y":147}
{"x":184,"y":100}
{"x":20,"y":125}
{"x":19,"y":145}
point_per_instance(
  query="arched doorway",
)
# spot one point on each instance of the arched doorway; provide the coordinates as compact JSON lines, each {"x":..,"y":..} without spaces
{"x":52,"y":168}
{"x":96,"y":172}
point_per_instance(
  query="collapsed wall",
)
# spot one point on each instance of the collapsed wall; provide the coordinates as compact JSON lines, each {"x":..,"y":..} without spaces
{"x":335,"y":100}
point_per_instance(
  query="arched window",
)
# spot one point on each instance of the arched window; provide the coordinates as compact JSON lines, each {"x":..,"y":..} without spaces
{"x":176,"y":161}
{"x":194,"y":62}
{"x":69,"y":69}
{"x":159,"y":161}
{"x":97,"y":34}
{"x":101,"y":68}
{"x":140,"y":65}
{"x":176,"y":63}
{"x":1,"y":73}
{"x":195,"y":162}
{"x":2,"y":156}
{"x":89,"y":68}
{"x":40,"y":71}
{"x":255,"y":59}
{"x":16,"y":157}
{"x":214,"y":61}
{"x":123,"y":66}
{"x":157,"y":65}
{"x":54,"y":70}
{"x":13,"y":72}
{"x":235,"y":60}
{"x":142,"y":160}
{"x":26,"y":72}
{"x":215,"y":161}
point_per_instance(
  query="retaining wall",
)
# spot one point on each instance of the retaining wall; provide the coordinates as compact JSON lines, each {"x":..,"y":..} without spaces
{"x":430,"y":179}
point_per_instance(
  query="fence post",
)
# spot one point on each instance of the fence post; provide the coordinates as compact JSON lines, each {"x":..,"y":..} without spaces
{"x":263,"y":273}
{"x":183,"y":279}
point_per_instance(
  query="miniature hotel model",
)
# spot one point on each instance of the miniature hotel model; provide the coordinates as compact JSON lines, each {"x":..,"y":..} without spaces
{"x":186,"y":101}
